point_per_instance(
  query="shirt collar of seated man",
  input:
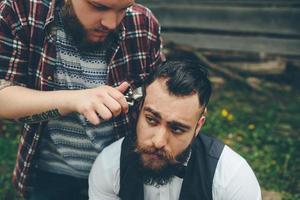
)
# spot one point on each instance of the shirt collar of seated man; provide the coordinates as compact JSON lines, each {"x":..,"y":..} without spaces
{"x":170,"y":117}
{"x":92,"y":22}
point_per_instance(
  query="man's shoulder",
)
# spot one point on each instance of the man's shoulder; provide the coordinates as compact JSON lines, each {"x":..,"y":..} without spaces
{"x":105,"y":174}
{"x":229,"y":157}
{"x":111,"y":154}
{"x":234,"y":178}
{"x":108,"y":160}
{"x":138,"y":10}
{"x":114,"y":147}
{"x":230,"y":166}
{"x":24,"y":7}
{"x":23,"y":13}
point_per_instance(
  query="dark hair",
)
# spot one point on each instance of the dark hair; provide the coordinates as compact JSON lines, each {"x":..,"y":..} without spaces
{"x":184,"y":78}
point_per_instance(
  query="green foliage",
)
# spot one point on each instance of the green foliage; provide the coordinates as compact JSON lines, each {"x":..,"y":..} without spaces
{"x":8,"y":148}
{"x":264,"y":128}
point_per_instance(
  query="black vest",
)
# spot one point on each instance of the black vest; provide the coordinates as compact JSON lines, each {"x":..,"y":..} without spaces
{"x":198,"y":179}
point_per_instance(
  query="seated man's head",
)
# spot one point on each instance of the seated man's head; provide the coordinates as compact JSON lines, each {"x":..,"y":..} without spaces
{"x":170,"y":118}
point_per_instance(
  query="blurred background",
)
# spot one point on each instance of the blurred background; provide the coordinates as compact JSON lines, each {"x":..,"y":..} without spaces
{"x":252,"y":50}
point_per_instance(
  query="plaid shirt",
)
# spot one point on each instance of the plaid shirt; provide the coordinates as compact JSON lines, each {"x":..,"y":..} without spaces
{"x":28,"y":57}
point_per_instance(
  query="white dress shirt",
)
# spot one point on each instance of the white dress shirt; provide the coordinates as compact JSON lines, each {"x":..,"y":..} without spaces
{"x":233,"y":179}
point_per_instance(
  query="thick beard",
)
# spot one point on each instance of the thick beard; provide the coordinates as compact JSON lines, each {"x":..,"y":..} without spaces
{"x":76,"y":30}
{"x":163,"y":175}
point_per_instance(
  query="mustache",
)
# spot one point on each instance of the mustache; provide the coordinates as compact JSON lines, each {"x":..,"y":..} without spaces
{"x":161,"y":154}
{"x":101,"y":29}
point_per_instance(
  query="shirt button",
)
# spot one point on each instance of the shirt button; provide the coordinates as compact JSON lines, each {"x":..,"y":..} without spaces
{"x":50,"y":78}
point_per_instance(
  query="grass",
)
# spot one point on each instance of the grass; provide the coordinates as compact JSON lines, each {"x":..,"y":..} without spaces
{"x":8,"y":148}
{"x":263,"y":127}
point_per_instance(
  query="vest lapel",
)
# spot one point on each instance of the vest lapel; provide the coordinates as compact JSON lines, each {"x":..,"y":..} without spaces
{"x":131,"y":188}
{"x":196,"y":184}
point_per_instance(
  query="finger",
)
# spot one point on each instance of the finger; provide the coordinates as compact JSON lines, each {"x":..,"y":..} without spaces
{"x":120,"y":101}
{"x":123,"y":87}
{"x":104,"y":112}
{"x":92,"y":117}
{"x":112,"y":104}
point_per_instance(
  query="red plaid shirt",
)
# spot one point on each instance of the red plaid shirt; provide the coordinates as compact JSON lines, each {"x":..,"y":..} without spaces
{"x":28,"y":57}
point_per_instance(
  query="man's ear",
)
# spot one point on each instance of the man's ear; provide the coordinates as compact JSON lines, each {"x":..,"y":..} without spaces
{"x":200,"y":122}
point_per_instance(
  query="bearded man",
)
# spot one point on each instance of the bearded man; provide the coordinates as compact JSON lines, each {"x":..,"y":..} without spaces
{"x":168,"y":158}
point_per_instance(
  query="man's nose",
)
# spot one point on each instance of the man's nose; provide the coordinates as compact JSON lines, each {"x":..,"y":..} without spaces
{"x":160,"y":138}
{"x":110,"y":20}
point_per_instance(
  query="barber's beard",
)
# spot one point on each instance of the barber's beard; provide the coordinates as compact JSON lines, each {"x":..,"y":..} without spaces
{"x":76,"y":30}
{"x":163,"y":174}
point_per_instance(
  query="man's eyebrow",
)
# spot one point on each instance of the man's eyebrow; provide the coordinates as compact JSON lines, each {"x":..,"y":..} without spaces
{"x":95,"y":2}
{"x":179,"y":124}
{"x":99,"y":5}
{"x":156,"y":114}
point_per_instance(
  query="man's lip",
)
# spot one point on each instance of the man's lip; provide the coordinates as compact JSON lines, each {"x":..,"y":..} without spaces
{"x":153,"y":156}
{"x":100,"y":34}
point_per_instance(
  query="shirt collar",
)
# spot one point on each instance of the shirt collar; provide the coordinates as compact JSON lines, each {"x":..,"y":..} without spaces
{"x":122,"y":30}
{"x":50,"y":14}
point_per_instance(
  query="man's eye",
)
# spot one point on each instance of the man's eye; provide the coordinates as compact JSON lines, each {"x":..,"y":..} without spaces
{"x":101,"y":8}
{"x":98,"y":7}
{"x":177,"y":130}
{"x":151,"y":120}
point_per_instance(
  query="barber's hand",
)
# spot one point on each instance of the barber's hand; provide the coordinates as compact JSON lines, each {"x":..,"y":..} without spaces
{"x":101,"y":103}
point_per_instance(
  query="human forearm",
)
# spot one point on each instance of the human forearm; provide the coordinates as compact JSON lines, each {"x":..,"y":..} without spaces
{"x":31,"y":106}
{"x":25,"y":104}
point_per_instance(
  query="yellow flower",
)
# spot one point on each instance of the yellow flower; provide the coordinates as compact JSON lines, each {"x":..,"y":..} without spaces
{"x":224,"y":112}
{"x":228,"y":141}
{"x":251,"y":126}
{"x":230,"y":117}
